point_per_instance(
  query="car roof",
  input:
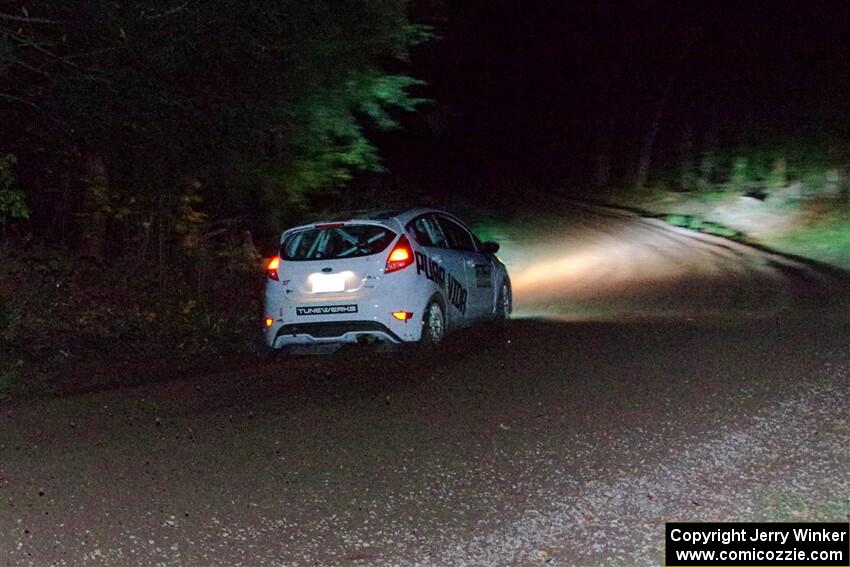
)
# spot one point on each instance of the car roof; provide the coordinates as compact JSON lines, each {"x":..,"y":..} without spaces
{"x":366,"y":214}
{"x":403,"y":216}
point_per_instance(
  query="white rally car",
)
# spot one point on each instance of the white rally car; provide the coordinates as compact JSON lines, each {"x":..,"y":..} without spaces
{"x":398,"y":277}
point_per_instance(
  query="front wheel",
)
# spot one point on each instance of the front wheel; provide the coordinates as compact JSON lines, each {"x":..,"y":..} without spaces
{"x":504,"y":302}
{"x":433,"y":325}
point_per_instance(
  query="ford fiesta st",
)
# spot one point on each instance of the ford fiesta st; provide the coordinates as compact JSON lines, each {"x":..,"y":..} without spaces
{"x":390,"y":276}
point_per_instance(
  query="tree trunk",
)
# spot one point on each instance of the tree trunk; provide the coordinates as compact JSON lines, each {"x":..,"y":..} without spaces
{"x":648,"y":145}
{"x":602,"y":173}
{"x":645,"y":159}
{"x":687,"y":159}
{"x":92,"y":214}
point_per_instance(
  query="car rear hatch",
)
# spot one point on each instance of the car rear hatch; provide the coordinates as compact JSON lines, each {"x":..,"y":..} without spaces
{"x":337,"y":264}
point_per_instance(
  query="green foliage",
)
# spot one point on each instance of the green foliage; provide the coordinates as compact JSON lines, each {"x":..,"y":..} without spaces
{"x":741,"y":174}
{"x":778,"y":175}
{"x":331,"y":142}
{"x":825,"y":235}
{"x":678,"y":220}
{"x":260,"y":102}
{"x":694,"y":222}
{"x":813,"y":160}
{"x":718,"y":229}
{"x":12,"y":202}
{"x":763,"y":163}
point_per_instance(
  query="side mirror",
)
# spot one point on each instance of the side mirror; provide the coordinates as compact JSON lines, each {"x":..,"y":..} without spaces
{"x":489,"y":247}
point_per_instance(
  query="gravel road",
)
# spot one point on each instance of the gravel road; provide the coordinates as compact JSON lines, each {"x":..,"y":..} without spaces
{"x":655,"y":375}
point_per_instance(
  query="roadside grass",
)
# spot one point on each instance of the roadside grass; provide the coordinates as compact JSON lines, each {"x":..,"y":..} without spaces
{"x":803,"y":223}
{"x":826,"y":239}
{"x":786,"y":507}
{"x":699,"y":224}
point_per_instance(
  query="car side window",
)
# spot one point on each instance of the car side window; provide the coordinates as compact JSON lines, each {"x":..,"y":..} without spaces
{"x":459,"y":238}
{"x":427,"y":232}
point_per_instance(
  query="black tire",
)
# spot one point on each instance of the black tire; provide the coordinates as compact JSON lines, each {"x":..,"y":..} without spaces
{"x":267,"y":352}
{"x":270,"y":353}
{"x":504,"y":302}
{"x":433,"y":325}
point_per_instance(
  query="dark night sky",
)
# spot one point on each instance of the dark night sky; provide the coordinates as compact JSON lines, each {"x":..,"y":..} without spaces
{"x":533,"y":90}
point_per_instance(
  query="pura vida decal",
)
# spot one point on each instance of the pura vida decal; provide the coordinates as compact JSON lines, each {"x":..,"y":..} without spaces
{"x":455,"y":292}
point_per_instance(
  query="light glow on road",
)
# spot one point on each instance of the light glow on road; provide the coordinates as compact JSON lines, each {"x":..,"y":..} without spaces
{"x":613,"y":267}
{"x":553,"y":274}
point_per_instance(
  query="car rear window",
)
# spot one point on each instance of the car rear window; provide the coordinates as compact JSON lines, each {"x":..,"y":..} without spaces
{"x":336,"y":242}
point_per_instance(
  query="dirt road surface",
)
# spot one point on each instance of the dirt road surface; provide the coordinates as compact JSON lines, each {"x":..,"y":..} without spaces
{"x":652,"y":375}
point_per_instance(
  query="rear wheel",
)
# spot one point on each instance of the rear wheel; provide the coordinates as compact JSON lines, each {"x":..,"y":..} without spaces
{"x":433,"y":324}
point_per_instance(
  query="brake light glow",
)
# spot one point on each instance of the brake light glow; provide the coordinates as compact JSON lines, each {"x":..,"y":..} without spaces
{"x":271,"y":269}
{"x":400,"y":257}
{"x":403,"y":315}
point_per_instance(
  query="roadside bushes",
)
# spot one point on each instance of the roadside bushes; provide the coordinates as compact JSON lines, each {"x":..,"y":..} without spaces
{"x":12,"y":202}
{"x":817,"y":165}
{"x":693,"y":222}
{"x":186,"y":301}
{"x":793,"y":195}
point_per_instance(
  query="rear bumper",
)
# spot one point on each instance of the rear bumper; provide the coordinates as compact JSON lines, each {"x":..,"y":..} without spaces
{"x":331,"y":332}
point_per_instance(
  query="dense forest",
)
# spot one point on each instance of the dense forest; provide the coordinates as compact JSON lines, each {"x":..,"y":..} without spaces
{"x":149,"y":150}
{"x":124,"y":123}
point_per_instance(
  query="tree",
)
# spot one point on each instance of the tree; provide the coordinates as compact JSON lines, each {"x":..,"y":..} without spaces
{"x":258,"y":102}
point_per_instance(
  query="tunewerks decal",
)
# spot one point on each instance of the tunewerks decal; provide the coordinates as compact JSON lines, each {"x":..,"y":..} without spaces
{"x":326,"y":310}
{"x":455,"y":292}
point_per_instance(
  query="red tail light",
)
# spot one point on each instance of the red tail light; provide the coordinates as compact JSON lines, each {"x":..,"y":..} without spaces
{"x":271,"y":269}
{"x":400,"y":257}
